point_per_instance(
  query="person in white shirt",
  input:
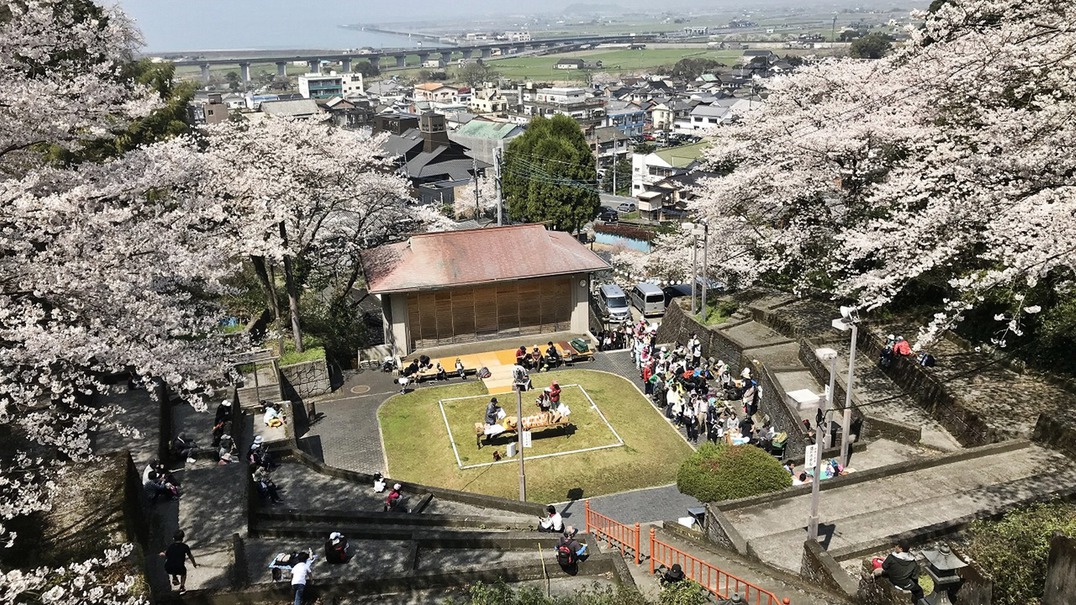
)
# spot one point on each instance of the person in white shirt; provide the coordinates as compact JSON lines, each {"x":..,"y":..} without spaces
{"x":299,"y":573}
{"x":552,"y":522}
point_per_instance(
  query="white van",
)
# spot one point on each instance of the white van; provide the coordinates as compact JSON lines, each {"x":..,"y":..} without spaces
{"x":613,"y":303}
{"x":648,"y":299}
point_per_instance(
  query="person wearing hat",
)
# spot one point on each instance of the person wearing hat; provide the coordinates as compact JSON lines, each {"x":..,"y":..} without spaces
{"x":493,"y":410}
{"x":536,"y":359}
{"x":337,"y":549}
{"x":673,"y":576}
{"x":259,"y":454}
{"x":224,"y":412}
{"x":394,"y":501}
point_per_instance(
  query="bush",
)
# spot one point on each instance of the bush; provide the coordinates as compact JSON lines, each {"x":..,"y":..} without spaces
{"x":723,"y":472}
{"x":1014,"y":550}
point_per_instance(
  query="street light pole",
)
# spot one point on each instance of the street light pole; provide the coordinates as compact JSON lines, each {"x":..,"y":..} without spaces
{"x":812,"y":521}
{"x":519,"y":435}
{"x":848,"y":320}
{"x":846,"y":439}
{"x":829,"y":397}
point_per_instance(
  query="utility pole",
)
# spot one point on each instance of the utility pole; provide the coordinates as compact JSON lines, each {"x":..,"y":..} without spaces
{"x":614,"y":166}
{"x":477,"y":203}
{"x":694,"y":272}
{"x":705,"y":265}
{"x":497,"y":175}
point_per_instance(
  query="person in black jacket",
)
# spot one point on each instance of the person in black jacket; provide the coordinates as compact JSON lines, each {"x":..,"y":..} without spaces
{"x":674,"y":575}
{"x":902,"y":570}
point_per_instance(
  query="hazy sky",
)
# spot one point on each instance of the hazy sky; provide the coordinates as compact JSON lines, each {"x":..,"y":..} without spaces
{"x":234,"y":24}
{"x":206,"y":24}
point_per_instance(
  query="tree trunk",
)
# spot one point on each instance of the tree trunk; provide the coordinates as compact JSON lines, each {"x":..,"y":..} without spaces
{"x":267,"y":286}
{"x":293,"y":293}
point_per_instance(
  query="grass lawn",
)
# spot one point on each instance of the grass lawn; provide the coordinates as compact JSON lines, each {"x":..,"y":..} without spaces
{"x":418,"y":447}
{"x":588,"y":429}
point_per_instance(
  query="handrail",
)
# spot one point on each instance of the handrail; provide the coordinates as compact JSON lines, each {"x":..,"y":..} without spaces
{"x":615,"y":534}
{"x":720,"y":583}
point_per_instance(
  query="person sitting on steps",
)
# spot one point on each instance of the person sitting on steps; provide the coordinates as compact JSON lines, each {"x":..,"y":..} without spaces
{"x":673,"y":576}
{"x":902,"y":570}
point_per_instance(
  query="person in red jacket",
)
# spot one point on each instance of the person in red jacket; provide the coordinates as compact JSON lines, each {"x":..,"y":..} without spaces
{"x":901,"y":347}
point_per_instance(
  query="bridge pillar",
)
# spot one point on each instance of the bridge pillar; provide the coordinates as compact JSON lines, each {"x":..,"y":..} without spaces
{"x":205,"y":73}
{"x":487,"y":53}
{"x":375,"y":62}
{"x":423,"y":57}
{"x":506,"y":50}
{"x":467,"y":52}
{"x":345,"y":65}
{"x":281,"y":69}
{"x":446,"y":56}
{"x":313,"y":66}
{"x":401,"y":60}
{"x":244,"y":72}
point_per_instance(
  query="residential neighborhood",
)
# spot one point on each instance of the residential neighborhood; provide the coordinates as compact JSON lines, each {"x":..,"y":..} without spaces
{"x":471,"y":303}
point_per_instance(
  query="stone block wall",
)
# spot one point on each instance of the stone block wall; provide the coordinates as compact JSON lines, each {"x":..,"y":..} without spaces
{"x":929,"y":393}
{"x":1057,"y":432}
{"x":305,"y":380}
{"x":820,"y":569}
{"x":1060,"y":571}
{"x":775,"y":405}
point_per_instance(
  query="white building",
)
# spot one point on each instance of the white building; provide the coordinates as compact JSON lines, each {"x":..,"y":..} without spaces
{"x":332,"y":84}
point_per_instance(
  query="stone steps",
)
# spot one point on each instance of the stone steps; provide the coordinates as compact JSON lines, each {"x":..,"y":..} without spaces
{"x":863,"y":517}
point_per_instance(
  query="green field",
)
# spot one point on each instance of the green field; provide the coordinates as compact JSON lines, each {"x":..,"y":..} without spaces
{"x":419,"y":449}
{"x":615,"y":61}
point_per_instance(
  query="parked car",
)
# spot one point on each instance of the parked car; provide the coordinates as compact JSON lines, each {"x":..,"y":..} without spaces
{"x":613,"y":303}
{"x":626,"y":207}
{"x":608,"y":215}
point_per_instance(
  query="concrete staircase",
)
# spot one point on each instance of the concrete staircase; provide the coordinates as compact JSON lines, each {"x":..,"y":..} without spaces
{"x":927,"y":497}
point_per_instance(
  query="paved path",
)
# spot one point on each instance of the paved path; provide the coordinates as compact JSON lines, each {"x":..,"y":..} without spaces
{"x":865,"y":513}
{"x":782,"y":585}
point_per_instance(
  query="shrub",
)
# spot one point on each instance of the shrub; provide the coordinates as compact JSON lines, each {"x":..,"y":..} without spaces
{"x":1014,"y":550}
{"x":723,"y":472}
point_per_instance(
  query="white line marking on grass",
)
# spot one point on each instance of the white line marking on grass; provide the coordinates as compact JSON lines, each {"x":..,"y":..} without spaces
{"x":536,"y":457}
{"x":459,"y":462}
{"x":452,"y":440}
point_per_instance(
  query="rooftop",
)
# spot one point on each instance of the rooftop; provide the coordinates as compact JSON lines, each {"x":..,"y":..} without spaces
{"x":481,"y":129}
{"x":447,"y":259}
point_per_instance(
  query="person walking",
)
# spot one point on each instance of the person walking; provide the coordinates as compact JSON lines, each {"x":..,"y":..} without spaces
{"x":175,"y":558}
{"x":300,"y":572}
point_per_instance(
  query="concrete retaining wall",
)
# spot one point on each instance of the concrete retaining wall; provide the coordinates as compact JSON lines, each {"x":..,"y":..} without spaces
{"x":820,"y":568}
{"x":1057,"y":432}
{"x":305,"y":380}
{"x":1061,"y":571}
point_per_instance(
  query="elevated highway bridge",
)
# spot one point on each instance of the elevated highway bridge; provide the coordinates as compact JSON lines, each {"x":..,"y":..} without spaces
{"x":398,"y":56}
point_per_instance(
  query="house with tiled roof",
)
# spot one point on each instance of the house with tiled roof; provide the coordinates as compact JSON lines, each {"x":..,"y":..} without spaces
{"x":463,"y":286}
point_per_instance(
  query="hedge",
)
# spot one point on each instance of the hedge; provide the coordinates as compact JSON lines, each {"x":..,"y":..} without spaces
{"x":727,"y":472}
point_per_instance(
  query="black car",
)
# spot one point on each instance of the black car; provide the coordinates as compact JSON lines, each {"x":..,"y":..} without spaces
{"x":608,"y":215}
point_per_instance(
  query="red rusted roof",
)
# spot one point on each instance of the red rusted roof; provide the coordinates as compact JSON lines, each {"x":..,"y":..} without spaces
{"x":448,"y":259}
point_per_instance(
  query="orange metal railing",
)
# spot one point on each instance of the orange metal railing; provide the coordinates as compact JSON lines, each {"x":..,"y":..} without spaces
{"x":615,"y":534}
{"x":718,"y":582}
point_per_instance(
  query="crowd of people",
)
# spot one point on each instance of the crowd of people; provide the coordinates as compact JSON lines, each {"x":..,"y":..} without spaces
{"x":699,"y":393}
{"x":536,"y":361}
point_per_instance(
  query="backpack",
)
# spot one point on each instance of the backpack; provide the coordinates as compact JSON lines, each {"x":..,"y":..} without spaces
{"x":484,"y":372}
{"x":565,"y":556}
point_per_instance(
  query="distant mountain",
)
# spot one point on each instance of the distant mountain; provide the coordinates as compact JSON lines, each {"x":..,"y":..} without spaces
{"x":592,"y":9}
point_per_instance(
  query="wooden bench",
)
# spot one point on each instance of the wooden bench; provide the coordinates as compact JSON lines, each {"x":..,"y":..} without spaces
{"x":538,"y":424}
{"x":449,"y":364}
{"x":570,"y":354}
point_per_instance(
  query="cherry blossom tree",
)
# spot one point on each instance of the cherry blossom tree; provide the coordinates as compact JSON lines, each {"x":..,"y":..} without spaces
{"x":472,"y":203}
{"x":949,"y":159}
{"x":306,"y":196}
{"x":104,"y":267}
